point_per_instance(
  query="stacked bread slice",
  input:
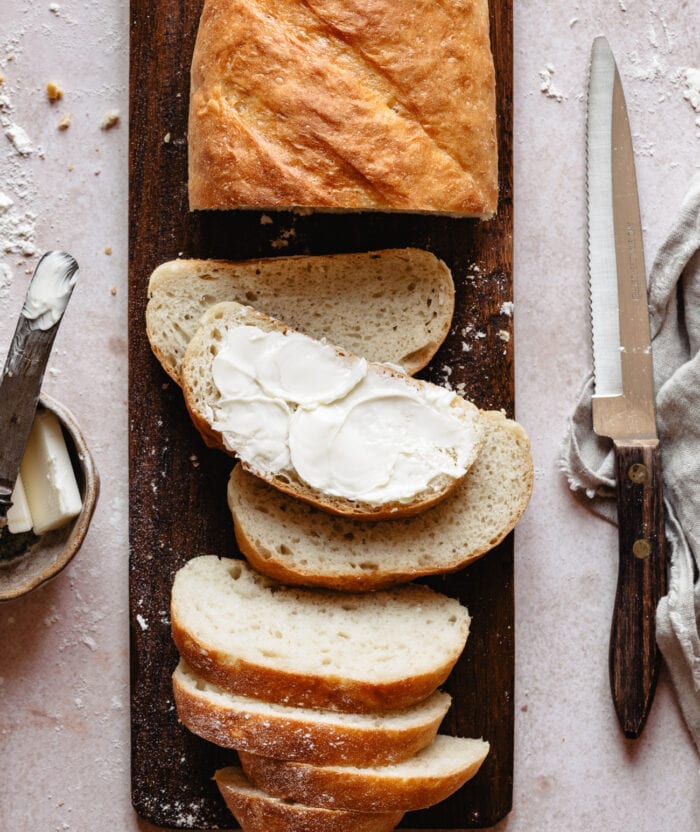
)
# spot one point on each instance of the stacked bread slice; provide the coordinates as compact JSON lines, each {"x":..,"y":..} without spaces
{"x":315,"y":660}
{"x":344,"y":685}
{"x":354,"y":300}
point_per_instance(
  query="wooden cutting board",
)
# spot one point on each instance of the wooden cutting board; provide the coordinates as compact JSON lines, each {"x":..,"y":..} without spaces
{"x":177,"y":486}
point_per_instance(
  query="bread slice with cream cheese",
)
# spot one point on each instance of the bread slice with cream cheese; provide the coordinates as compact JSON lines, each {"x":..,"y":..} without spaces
{"x":394,"y":305}
{"x":301,"y":545}
{"x":257,"y":811}
{"x":310,"y":735}
{"x":354,"y":652}
{"x":429,"y":777}
{"x":318,"y":423}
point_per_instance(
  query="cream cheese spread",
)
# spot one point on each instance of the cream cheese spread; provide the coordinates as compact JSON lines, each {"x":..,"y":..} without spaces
{"x":291,"y":404}
{"x":50,"y":289}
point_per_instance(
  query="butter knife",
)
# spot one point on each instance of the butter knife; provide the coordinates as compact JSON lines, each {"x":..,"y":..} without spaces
{"x":48,"y":294}
{"x":623,"y":404}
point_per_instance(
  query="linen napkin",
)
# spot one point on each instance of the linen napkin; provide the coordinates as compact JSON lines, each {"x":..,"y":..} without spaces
{"x":587,"y":459}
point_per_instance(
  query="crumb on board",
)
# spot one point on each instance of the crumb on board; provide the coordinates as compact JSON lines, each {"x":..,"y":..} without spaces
{"x":265,"y":220}
{"x":110,"y":120}
{"x":64,"y":123}
{"x":166,"y":138}
{"x":70,"y":168}
{"x":53,"y":92}
{"x":504,"y":335}
{"x":108,"y":250}
{"x":113,"y":291}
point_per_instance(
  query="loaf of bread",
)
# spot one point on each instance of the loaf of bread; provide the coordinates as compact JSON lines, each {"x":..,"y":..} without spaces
{"x":314,"y":736}
{"x":350,"y":437}
{"x":430,"y":776}
{"x":394,"y":305}
{"x":257,"y":811}
{"x":300,"y":545}
{"x":360,"y":653}
{"x":353,"y":105}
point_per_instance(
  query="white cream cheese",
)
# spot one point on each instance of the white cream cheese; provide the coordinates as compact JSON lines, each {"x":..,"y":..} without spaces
{"x":291,"y":404}
{"x":383,"y":442}
{"x":50,"y":289}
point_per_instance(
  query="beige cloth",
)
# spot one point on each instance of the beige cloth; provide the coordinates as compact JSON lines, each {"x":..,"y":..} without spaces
{"x":674,"y":305}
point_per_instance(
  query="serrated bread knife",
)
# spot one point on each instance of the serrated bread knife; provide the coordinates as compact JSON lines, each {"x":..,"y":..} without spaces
{"x":623,"y":403}
{"x":47,"y":296}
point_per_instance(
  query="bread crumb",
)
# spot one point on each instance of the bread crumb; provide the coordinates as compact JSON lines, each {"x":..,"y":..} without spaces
{"x":194,"y":459}
{"x":64,"y":123}
{"x":143,"y":624}
{"x":507,"y":308}
{"x":71,"y":168}
{"x":108,"y":250}
{"x":54,"y":8}
{"x":113,"y":291}
{"x":504,"y":335}
{"x":265,"y":220}
{"x":166,"y":138}
{"x":110,"y":120}
{"x":53,"y":92}
{"x":98,"y":172}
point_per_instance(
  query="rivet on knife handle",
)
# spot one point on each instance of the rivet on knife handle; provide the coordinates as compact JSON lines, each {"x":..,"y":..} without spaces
{"x":634,"y":656}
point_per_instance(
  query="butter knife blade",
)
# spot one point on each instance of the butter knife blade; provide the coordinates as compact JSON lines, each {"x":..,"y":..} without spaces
{"x":48,"y":294}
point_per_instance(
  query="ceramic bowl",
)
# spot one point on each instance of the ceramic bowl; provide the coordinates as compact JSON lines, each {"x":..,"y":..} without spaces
{"x":37,"y":559}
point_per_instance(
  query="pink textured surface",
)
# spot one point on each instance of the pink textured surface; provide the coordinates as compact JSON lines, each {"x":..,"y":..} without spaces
{"x":64,"y":717}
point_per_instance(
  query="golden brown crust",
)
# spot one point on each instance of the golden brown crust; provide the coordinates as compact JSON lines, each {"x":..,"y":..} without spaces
{"x":293,"y":738}
{"x":257,"y":812}
{"x":351,"y":789}
{"x":386,"y":104}
{"x":301,"y":689}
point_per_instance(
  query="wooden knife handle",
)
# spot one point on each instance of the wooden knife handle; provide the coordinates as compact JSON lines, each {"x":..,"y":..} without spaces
{"x":634,"y":656}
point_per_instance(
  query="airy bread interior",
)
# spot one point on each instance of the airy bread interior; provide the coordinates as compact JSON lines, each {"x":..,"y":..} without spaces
{"x":394,"y":305}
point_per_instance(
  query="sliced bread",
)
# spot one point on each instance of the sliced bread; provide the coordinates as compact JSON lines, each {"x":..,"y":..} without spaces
{"x":314,"y":736}
{"x":321,"y":649}
{"x":298,"y":544}
{"x":257,"y":811}
{"x":351,"y":437}
{"x":432,"y":775}
{"x":394,"y":305}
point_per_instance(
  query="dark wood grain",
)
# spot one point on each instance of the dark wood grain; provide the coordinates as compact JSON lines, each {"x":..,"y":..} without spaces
{"x":641,"y":582}
{"x":177,"y":486}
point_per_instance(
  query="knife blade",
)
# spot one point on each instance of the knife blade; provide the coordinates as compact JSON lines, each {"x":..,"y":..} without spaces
{"x":623,"y":403}
{"x":49,"y":291}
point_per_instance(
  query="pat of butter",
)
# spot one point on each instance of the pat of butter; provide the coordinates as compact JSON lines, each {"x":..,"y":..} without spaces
{"x":19,"y":518}
{"x":48,"y":477}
